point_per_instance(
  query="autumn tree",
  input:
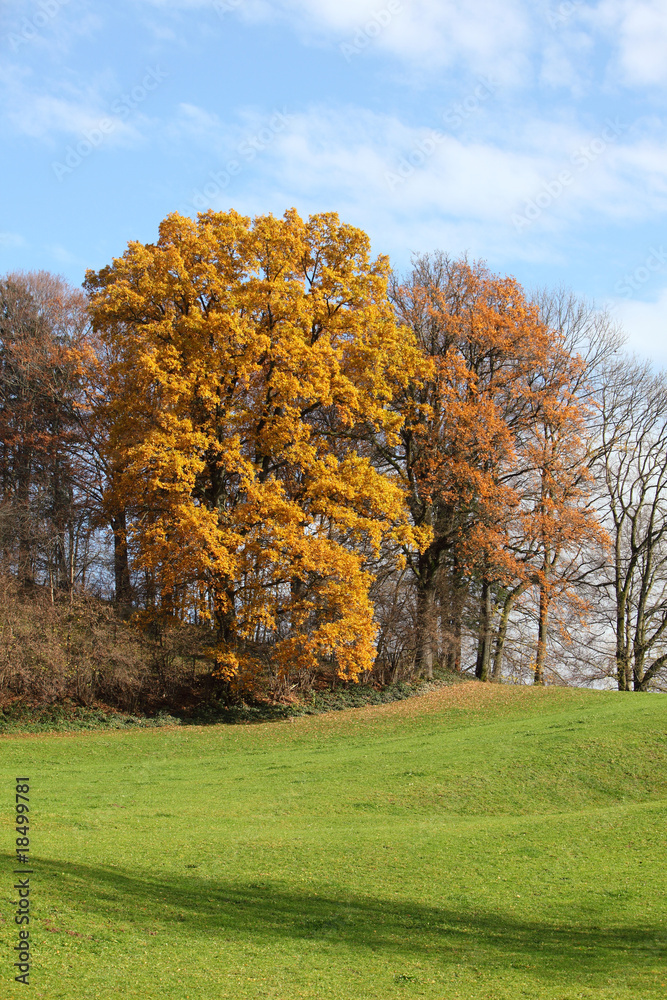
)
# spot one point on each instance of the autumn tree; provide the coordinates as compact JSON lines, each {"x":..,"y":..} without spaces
{"x":484,"y":346}
{"x":488,"y":453}
{"x":559,"y":522}
{"x":42,"y":321}
{"x":243,"y":355}
{"x":563,"y":540}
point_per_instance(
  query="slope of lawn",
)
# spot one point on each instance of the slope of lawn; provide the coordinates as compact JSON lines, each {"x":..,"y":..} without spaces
{"x":479,"y":842}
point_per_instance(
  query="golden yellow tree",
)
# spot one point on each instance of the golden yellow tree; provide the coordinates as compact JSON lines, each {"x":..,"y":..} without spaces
{"x":246,"y":353}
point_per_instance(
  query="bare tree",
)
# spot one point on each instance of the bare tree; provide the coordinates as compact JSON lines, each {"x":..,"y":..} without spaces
{"x":632,"y":471}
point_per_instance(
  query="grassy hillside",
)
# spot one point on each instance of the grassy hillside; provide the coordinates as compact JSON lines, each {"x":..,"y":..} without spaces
{"x":479,"y":842}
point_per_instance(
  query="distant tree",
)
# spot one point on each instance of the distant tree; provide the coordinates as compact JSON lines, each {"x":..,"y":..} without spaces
{"x":560,"y":521}
{"x":632,"y":476}
{"x":100,"y":465}
{"x":478,"y":457}
{"x":42,"y":321}
{"x":563,"y":532}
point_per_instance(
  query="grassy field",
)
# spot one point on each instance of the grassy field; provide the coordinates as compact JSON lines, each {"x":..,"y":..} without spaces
{"x":480,"y":842}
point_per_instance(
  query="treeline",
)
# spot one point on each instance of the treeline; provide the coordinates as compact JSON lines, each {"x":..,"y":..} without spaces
{"x":274,"y":463}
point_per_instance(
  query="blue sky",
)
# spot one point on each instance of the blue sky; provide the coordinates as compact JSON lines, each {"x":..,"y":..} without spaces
{"x":532,"y":135}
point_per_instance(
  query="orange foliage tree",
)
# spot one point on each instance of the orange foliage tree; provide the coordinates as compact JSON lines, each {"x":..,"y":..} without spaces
{"x":555,"y":530}
{"x":478,"y":435}
{"x":243,"y":355}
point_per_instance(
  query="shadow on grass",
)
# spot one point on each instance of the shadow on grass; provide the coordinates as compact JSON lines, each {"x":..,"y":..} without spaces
{"x":269,"y":912}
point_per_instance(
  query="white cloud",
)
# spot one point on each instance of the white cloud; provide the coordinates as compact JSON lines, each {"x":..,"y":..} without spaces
{"x":42,"y":117}
{"x":47,"y":27}
{"x":638,"y":31}
{"x":480,"y":35}
{"x":196,"y":121}
{"x":64,"y":256}
{"x":561,"y":68}
{"x":11,"y":240}
{"x":421,"y":185}
{"x":67,"y":110}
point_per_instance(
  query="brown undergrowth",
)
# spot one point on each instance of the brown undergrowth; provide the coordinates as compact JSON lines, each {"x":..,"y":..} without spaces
{"x":78,"y":650}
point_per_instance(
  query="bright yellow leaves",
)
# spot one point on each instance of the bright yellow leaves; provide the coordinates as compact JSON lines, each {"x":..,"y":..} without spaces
{"x":248,"y":358}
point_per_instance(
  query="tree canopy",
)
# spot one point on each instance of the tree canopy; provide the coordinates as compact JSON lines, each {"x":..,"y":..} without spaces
{"x":245,"y":354}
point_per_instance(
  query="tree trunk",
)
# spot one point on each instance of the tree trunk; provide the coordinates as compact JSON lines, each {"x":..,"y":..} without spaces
{"x":511,"y":598}
{"x":622,"y":628}
{"x":622,"y":665}
{"x":638,"y":654}
{"x":26,"y":573}
{"x":451,"y":620}
{"x":484,"y":640}
{"x":541,"y":654}
{"x":425,"y":626}
{"x":454,"y":651}
{"x":121,"y":565}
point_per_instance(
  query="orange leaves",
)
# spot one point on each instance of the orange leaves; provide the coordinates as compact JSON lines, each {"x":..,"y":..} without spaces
{"x":483,"y":343}
{"x":492,"y":427}
{"x":244,"y":355}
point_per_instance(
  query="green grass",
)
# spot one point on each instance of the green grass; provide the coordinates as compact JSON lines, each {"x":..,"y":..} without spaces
{"x":480,"y":842}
